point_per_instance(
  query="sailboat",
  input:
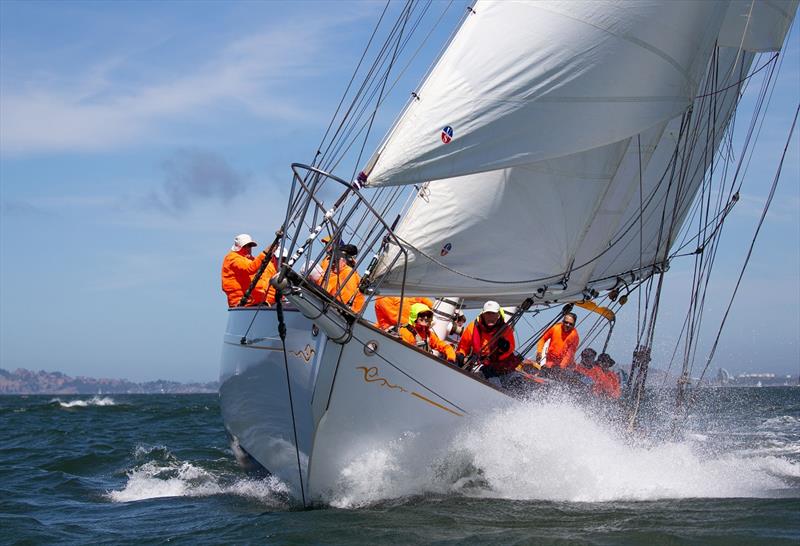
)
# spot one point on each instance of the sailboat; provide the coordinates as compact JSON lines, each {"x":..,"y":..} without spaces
{"x":597,"y":129}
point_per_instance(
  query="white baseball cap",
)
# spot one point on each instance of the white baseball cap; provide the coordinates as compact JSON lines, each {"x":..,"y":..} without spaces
{"x":491,"y":307}
{"x":241,"y":241}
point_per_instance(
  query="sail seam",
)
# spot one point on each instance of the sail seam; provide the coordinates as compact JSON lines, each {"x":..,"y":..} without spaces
{"x":644,"y":45}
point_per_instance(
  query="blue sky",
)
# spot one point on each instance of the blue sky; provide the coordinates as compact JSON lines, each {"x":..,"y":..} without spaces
{"x":137,"y":138}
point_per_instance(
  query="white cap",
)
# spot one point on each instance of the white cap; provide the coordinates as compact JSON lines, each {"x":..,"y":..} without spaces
{"x":241,"y":241}
{"x":491,"y":307}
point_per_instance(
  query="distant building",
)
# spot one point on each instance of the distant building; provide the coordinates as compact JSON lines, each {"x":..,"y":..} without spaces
{"x":747,"y":379}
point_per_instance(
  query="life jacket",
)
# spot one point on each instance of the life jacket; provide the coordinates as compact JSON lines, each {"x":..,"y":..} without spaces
{"x":419,"y":341}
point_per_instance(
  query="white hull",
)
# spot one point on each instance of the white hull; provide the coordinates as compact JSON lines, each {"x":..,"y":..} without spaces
{"x":253,"y":392}
{"x":347,"y":401}
{"x":378,"y":399}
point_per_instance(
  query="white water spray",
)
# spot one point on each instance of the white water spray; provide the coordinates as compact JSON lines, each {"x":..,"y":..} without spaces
{"x":555,"y":450}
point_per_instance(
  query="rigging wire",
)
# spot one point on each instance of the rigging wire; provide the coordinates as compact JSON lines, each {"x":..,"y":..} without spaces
{"x":752,"y":244}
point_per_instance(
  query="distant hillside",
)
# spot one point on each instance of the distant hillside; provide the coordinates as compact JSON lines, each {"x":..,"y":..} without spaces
{"x":22,"y":381}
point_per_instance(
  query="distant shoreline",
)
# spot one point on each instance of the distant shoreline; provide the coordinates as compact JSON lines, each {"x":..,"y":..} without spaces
{"x":28,"y":382}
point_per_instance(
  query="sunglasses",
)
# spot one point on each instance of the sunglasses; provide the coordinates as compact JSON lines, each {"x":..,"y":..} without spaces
{"x":570,"y":324}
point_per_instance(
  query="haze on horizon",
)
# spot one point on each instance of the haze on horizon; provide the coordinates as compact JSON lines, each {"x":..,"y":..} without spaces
{"x":136,"y":139}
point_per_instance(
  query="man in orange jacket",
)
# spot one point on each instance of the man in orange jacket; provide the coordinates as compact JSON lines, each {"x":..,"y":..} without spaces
{"x":606,"y":382}
{"x":339,"y":282}
{"x":587,"y":364}
{"x":238,"y":269}
{"x":387,"y":310}
{"x":564,"y":341}
{"x":496,"y":355}
{"x":419,"y":334}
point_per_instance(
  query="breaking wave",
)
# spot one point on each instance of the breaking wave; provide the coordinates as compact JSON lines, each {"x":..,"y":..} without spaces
{"x":558,"y":451}
{"x":164,"y":475}
{"x":94,"y":401}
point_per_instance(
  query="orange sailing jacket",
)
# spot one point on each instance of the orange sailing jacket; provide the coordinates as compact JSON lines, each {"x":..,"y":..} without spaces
{"x":475,"y":337}
{"x":562,"y":347}
{"x":427,"y":340}
{"x":237,"y":272}
{"x":387,"y":308}
{"x":350,"y":294}
{"x":264,"y":292}
{"x":606,"y":383}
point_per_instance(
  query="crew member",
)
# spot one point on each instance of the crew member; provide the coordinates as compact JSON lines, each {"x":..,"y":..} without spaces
{"x":606,"y":382}
{"x":387,"y":310}
{"x":564,"y":341}
{"x":587,"y":362}
{"x":495,"y":352}
{"x":340,"y":283}
{"x":238,"y":269}
{"x":418,"y":332}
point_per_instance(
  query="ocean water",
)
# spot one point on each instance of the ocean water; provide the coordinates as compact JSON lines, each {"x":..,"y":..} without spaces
{"x":144,"y":469}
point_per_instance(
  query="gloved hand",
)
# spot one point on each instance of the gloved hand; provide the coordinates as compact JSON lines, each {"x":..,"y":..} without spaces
{"x":460,"y":360}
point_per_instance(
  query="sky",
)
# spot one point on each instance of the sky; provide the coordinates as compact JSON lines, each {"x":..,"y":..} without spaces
{"x":137,"y":138}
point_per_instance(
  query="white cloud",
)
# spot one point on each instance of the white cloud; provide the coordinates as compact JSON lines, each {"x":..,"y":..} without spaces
{"x":96,"y":112}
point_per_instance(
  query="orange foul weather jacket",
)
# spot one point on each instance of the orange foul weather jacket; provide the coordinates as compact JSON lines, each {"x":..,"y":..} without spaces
{"x":237,"y":272}
{"x":562,"y":347}
{"x":606,"y":383}
{"x":264,"y":292}
{"x":477,"y":337}
{"x":427,"y":340}
{"x":350,"y":294}
{"x":388,"y":307}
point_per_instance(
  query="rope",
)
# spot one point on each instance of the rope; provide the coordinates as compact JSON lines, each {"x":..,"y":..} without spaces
{"x":282,"y":334}
{"x":740,"y":81}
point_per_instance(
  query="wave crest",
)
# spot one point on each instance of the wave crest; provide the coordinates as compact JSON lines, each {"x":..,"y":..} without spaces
{"x":157,"y":479}
{"x":94,"y":401}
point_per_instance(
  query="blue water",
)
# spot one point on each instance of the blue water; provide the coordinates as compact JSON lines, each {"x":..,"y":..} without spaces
{"x":158,"y":468}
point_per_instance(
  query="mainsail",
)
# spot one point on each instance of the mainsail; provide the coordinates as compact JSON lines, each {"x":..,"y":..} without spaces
{"x":583,"y":218}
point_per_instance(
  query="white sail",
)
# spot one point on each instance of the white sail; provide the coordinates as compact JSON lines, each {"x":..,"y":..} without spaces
{"x":574,"y":220}
{"x":529,"y":81}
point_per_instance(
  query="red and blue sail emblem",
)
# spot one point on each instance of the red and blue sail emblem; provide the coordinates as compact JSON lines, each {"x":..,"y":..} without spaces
{"x":447,"y":134}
